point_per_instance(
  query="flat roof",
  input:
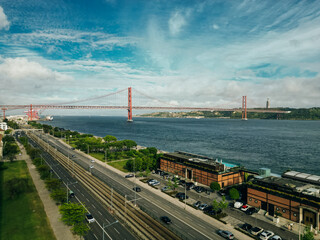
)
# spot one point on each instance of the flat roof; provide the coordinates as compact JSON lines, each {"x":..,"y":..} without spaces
{"x":305,"y":177}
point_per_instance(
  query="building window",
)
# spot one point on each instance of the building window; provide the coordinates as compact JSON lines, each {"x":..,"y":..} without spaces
{"x":250,"y":199}
{"x":283,"y":210}
{"x":256,"y":201}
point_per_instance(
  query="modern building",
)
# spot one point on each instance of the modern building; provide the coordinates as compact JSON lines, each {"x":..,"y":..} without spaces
{"x":3,"y":126}
{"x":295,"y":195}
{"x":201,"y":169}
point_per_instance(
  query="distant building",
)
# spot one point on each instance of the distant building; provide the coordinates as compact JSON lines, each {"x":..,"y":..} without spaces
{"x":295,"y":195}
{"x":201,"y":169}
{"x":3,"y":126}
{"x":268,"y":104}
{"x":1,"y":146}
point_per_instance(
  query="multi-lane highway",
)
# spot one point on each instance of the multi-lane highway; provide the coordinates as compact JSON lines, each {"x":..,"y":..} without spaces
{"x":185,"y":224}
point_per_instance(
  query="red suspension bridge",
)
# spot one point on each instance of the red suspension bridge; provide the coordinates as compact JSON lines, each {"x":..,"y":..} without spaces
{"x":33,"y":109}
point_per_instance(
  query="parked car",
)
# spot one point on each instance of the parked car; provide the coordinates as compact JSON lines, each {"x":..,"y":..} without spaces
{"x":165,"y":188}
{"x":178,"y":194}
{"x":199,"y":189}
{"x":226,"y":234}
{"x":256,"y":231}
{"x":137,"y":189}
{"x":158,"y":171}
{"x":237,"y":204}
{"x":251,"y":211}
{"x":246,"y":226}
{"x":151,"y":181}
{"x":203,"y":206}
{"x":244,"y":207}
{"x":276,"y":237}
{"x":182,"y":182}
{"x":166,"y":219}
{"x":89,"y":218}
{"x":265,"y":235}
{"x":129,"y":175}
{"x":222,"y":192}
{"x":197,"y":204}
{"x":155,"y":183}
{"x":183,"y":196}
{"x":189,"y":185}
{"x":71,"y":194}
{"x":92,"y":160}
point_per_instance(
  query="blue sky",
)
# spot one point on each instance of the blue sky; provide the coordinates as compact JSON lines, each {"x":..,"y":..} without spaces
{"x":190,"y":53}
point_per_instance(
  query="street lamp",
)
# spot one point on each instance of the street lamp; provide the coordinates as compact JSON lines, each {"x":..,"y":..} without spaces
{"x":107,"y":226}
{"x":68,"y":189}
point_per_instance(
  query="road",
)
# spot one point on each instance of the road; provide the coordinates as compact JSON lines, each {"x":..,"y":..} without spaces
{"x":185,"y":224}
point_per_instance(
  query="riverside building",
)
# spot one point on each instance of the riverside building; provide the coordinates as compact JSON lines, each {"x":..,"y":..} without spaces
{"x":295,"y":195}
{"x":201,"y":169}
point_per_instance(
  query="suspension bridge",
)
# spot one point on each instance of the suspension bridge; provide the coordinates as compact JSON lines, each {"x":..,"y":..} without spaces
{"x":32,"y":110}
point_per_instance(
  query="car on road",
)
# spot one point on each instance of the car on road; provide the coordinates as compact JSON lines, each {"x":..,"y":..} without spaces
{"x":137,"y":189}
{"x":203,"y":206}
{"x":166,"y":219}
{"x":276,"y":237}
{"x":183,"y":197}
{"x":92,"y":160}
{"x":165,"y":188}
{"x":71,"y":194}
{"x":246,"y":226}
{"x":129,"y":175}
{"x":244,"y":207}
{"x":151,"y":181}
{"x":222,"y":192}
{"x":237,"y":204}
{"x":199,"y":189}
{"x":251,"y":211}
{"x":197,"y":204}
{"x":189,"y":185}
{"x":265,"y":235}
{"x":182,"y":182}
{"x":226,"y":234}
{"x":89,"y":218}
{"x":256,"y":231}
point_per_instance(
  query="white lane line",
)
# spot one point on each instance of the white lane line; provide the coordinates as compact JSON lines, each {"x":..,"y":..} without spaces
{"x":116,"y":230}
{"x":95,"y":236}
{"x":93,"y":206}
{"x":201,"y":225}
{"x":82,"y":194}
{"x":87,"y":199}
{"x":107,"y":221}
{"x":100,"y":213}
{"x":178,"y":226}
{"x":191,"y":235}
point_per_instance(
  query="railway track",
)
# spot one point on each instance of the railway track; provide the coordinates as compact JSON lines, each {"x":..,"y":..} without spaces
{"x":138,"y":221}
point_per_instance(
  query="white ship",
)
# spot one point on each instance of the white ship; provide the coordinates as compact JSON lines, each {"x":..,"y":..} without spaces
{"x":49,"y":118}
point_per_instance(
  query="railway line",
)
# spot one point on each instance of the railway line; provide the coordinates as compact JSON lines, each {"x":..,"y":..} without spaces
{"x":144,"y":226}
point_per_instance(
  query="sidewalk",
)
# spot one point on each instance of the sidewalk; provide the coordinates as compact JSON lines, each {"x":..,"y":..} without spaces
{"x":60,"y":230}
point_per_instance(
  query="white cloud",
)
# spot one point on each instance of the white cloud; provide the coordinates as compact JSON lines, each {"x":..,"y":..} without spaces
{"x":215,"y":26}
{"x":176,"y":22}
{"x":4,"y":23}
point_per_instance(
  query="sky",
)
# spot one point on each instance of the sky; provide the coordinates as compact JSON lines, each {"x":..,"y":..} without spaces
{"x":185,"y":53}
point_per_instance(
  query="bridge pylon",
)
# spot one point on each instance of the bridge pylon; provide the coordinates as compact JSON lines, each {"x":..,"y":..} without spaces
{"x":244,"y":108}
{"x":130,"y":104}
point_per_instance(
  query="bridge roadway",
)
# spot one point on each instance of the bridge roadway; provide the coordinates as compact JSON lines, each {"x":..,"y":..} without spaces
{"x":185,"y":224}
{"x":100,"y":213}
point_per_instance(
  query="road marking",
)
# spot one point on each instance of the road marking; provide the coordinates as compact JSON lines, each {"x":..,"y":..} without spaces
{"x":178,"y":226}
{"x":116,"y":230}
{"x":82,"y":194}
{"x":100,"y":213}
{"x":191,"y":235}
{"x":93,"y":206}
{"x":201,"y":226}
{"x":95,"y":236}
{"x":87,"y":199}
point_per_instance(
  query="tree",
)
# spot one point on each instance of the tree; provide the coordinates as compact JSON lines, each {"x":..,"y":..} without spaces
{"x":215,"y":205}
{"x":16,"y":186}
{"x":59,"y":195}
{"x":215,"y":186}
{"x":52,"y":184}
{"x":109,"y":138}
{"x":223,"y":204}
{"x":72,"y":213}
{"x":234,"y":194}
{"x":80,"y":229}
{"x":307,"y":235}
{"x":44,"y":171}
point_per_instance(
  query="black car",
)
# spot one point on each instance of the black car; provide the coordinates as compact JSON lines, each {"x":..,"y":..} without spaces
{"x":129,"y":175}
{"x":251,"y":211}
{"x":197,"y":204}
{"x":189,"y":185}
{"x":166,"y":220}
{"x":199,"y":189}
{"x":137,"y":189}
{"x":182,"y":182}
{"x":183,"y":197}
{"x":246,"y":227}
{"x":222,"y":192}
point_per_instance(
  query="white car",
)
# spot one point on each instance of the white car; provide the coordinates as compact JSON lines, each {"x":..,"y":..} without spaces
{"x":152,"y":181}
{"x":276,"y":237}
{"x":155,"y":183}
{"x":256,"y":231}
{"x":203,"y":206}
{"x":89,"y":218}
{"x":237,"y":204}
{"x":265,"y":235}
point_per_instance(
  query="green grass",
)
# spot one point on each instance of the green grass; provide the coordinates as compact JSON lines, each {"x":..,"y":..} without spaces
{"x":119,"y":165}
{"x":99,"y":156}
{"x":23,"y":217}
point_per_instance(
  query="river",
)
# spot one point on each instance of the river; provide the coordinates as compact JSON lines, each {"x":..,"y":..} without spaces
{"x":275,"y":144}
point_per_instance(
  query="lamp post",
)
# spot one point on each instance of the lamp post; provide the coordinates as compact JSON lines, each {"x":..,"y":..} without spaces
{"x":68,"y":189}
{"x":107,"y":226}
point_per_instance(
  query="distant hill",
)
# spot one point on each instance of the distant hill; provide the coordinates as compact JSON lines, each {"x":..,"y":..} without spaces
{"x":295,"y":114}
